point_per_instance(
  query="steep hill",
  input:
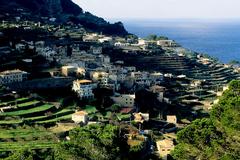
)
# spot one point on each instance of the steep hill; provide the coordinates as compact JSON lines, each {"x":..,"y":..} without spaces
{"x":63,"y":10}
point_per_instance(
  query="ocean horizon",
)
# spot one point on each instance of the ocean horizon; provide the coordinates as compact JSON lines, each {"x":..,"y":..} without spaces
{"x":215,"y":37}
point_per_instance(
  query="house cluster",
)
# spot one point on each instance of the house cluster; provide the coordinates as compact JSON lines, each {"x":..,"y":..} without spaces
{"x":117,"y":77}
{"x":12,"y":76}
{"x":162,"y":43}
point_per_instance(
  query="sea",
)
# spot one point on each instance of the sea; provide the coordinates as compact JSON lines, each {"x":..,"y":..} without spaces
{"x":217,"y":38}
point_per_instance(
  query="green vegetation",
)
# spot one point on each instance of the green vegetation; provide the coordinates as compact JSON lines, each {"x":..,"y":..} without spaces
{"x":31,"y":111}
{"x":234,"y":62}
{"x":66,"y":117}
{"x":27,"y":112}
{"x":26,"y":137}
{"x":217,"y":137}
{"x":28,"y":103}
{"x":90,"y":109}
{"x":16,"y":100}
{"x":123,"y":116}
{"x":153,"y":37}
{"x":91,"y":142}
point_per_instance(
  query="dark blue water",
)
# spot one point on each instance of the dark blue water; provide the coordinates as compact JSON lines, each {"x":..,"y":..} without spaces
{"x":217,"y":38}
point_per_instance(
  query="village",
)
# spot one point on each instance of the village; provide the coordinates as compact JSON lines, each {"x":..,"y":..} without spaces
{"x":94,"y":72}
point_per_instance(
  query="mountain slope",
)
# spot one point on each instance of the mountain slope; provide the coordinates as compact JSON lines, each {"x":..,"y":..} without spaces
{"x":63,"y":10}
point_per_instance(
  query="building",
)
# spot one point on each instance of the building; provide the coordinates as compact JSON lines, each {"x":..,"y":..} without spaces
{"x":90,"y":38}
{"x":165,"y":147}
{"x":96,"y":50}
{"x":80,"y":117}
{"x":105,"y":39}
{"x":46,"y":52}
{"x":130,"y":69}
{"x":120,"y":44}
{"x":167,"y":43}
{"x":105,"y":59}
{"x":141,"y":78}
{"x":172,"y":119}
{"x":69,"y":70}
{"x":12,"y":76}
{"x":98,"y":76}
{"x":125,"y":100}
{"x":160,"y":90}
{"x":105,"y":79}
{"x":156,"y":77}
{"x":84,"y":88}
{"x":141,"y":117}
{"x":142,"y":42}
{"x":196,"y":83}
{"x":81,"y":71}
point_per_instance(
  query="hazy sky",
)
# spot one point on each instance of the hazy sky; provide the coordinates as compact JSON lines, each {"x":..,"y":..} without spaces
{"x":159,"y":9}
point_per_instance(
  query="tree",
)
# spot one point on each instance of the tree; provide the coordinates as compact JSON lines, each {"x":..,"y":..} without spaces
{"x":217,"y":137}
{"x":115,"y":107}
{"x":234,"y":62}
{"x":91,"y":142}
{"x":152,"y":37}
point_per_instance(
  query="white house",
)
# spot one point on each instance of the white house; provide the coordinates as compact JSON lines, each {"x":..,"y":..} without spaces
{"x":105,"y":39}
{"x":182,"y":76}
{"x":120,"y":44}
{"x":12,"y":76}
{"x":84,"y":88}
{"x":142,"y":42}
{"x":167,"y":43}
{"x":80,"y":117}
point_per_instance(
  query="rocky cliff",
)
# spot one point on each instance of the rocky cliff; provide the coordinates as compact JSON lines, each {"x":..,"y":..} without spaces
{"x":63,"y":10}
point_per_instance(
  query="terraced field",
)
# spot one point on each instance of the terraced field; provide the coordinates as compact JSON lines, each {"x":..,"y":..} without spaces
{"x":16,"y":113}
{"x":213,"y":76}
{"x":31,"y":111}
{"x":20,"y":138}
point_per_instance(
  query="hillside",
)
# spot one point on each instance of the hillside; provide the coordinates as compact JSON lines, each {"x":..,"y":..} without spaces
{"x":216,"y":137}
{"x":63,"y":10}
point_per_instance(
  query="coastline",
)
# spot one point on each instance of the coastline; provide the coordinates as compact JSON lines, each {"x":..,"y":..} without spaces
{"x":217,"y":38}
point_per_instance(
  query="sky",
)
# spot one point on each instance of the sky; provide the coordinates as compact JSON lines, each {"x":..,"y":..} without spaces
{"x":162,"y":9}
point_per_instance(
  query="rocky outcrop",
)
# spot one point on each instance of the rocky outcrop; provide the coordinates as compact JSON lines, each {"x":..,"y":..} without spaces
{"x":63,"y":10}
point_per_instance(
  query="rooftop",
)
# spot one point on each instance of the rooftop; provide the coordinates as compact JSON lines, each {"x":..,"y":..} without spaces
{"x":166,"y":143}
{"x":80,"y":113}
{"x":11,"y":72}
{"x":83,"y":81}
{"x":67,"y":67}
